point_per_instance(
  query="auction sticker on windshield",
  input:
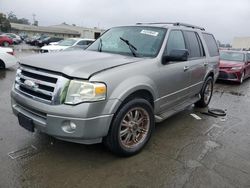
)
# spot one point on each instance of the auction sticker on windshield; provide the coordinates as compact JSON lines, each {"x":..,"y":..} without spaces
{"x":148,"y":32}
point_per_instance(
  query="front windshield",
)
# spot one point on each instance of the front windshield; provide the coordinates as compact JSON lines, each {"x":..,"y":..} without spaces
{"x":232,"y":56}
{"x":67,"y":42}
{"x":131,"y":40}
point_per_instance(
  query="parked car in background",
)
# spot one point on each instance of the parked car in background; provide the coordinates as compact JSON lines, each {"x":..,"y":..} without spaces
{"x":7,"y":58}
{"x":115,"y":90}
{"x":67,"y":43}
{"x":16,"y":38}
{"x":5,"y":40}
{"x":48,"y":40}
{"x":234,"y":65}
{"x":34,"y":41}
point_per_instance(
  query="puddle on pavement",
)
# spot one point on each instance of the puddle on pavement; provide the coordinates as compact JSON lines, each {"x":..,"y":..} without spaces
{"x":235,"y":93}
{"x":2,"y":74}
{"x":23,"y":153}
{"x":209,"y":146}
{"x":193,"y":164}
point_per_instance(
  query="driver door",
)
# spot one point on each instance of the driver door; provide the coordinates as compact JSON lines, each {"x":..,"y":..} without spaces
{"x":175,"y":76}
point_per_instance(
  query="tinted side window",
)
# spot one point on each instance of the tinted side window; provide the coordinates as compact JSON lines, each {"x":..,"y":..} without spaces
{"x":194,"y":45}
{"x":89,"y":42}
{"x":175,"y":41}
{"x":211,"y":44}
{"x":82,"y":43}
{"x":248,"y":57}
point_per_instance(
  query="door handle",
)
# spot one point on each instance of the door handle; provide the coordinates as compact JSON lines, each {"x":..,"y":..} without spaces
{"x":205,"y":64}
{"x":186,"y":68}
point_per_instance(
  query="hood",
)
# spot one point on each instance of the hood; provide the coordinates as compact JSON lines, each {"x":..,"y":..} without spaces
{"x":6,"y":49}
{"x":54,"y":47}
{"x":79,"y":64}
{"x":224,"y":63}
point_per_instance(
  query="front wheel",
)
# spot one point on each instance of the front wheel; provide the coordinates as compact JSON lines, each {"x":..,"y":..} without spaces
{"x":206,"y":93}
{"x":131,"y":128}
{"x":242,"y":77}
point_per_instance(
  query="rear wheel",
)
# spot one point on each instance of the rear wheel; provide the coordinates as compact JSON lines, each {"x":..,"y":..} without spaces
{"x":206,"y":93}
{"x":5,"y":43}
{"x":131,"y":128}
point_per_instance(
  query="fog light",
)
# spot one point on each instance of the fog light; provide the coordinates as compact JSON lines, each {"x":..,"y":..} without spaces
{"x":68,"y":126}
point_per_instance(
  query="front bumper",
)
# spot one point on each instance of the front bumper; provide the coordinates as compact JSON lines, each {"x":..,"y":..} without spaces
{"x":229,"y":75}
{"x":91,"y":120}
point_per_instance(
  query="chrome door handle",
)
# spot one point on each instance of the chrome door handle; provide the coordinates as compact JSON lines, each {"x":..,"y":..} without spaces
{"x":186,"y":68}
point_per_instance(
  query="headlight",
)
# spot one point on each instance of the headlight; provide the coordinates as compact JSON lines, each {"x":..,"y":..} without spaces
{"x":84,"y":91}
{"x":18,"y":74}
{"x":236,"y":68}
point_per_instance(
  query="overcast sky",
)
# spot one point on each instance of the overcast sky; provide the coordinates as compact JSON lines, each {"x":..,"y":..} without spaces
{"x":224,"y":18}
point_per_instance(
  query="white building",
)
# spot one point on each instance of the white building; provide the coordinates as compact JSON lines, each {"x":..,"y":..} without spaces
{"x":241,"y":42}
{"x":92,"y":33}
{"x":62,"y":30}
{"x":32,"y":30}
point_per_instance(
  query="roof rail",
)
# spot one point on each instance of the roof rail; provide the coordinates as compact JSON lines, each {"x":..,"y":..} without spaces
{"x":175,"y":24}
{"x":188,"y":25}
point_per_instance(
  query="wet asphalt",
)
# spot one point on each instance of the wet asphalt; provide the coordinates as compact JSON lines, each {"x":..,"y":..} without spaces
{"x":183,"y":151}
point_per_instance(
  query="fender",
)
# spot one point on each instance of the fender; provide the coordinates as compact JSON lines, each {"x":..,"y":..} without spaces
{"x":131,"y":85}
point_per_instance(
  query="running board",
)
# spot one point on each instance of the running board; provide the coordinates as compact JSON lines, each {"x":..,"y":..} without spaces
{"x":161,"y":117}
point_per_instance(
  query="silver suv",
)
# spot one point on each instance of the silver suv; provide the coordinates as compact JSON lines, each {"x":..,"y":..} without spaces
{"x":115,"y":91}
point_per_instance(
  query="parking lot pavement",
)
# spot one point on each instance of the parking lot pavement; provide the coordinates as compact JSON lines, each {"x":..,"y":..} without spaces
{"x":183,"y":151}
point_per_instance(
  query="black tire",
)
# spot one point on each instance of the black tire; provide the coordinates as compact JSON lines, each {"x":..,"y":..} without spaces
{"x":203,"y":102}
{"x":2,"y":65}
{"x":113,"y":140}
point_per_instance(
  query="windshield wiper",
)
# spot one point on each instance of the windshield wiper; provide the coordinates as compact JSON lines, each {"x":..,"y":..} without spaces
{"x":100,"y":45}
{"x":132,"y":48}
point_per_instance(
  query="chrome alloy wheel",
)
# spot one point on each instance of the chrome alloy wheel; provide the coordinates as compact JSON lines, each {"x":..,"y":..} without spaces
{"x":134,"y":127}
{"x":208,"y":92}
{"x":242,"y":77}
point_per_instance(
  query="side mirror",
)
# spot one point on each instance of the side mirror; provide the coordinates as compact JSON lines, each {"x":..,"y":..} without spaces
{"x":175,"y":55}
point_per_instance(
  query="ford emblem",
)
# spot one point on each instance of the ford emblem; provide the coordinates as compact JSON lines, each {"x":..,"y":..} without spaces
{"x":30,"y":83}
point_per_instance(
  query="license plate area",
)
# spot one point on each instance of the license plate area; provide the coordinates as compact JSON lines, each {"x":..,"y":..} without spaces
{"x":26,"y":122}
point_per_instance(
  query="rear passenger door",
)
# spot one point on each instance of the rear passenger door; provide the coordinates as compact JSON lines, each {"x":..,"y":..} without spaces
{"x":197,"y":64}
{"x":212,"y":53}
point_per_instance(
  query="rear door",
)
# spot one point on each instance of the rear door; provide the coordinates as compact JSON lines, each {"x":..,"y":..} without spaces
{"x":174,"y":79}
{"x":212,"y":52}
{"x":196,"y":61}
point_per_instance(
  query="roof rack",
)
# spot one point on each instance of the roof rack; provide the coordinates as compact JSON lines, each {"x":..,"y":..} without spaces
{"x":175,"y":24}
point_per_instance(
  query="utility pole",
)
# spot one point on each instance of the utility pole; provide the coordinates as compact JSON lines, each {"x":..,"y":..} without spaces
{"x":35,"y":22}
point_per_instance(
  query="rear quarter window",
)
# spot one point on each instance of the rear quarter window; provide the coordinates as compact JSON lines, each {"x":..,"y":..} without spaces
{"x":211,"y":44}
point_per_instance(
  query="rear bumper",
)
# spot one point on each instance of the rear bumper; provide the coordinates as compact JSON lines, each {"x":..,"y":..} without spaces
{"x":57,"y":120}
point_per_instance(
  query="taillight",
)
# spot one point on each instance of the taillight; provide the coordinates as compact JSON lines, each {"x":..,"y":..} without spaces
{"x":11,"y":53}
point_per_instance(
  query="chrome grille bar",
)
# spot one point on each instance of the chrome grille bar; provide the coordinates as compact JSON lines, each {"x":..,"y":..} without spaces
{"x":37,"y":84}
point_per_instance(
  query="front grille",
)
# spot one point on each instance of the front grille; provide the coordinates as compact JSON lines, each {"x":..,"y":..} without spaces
{"x":37,"y":83}
{"x":224,"y":75}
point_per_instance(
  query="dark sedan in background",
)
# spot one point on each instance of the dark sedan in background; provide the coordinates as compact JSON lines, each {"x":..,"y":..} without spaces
{"x":234,"y":65}
{"x":47,"y":40}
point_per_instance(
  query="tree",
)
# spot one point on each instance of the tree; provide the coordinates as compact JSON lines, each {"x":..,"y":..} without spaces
{"x":4,"y":23}
{"x":14,"y":19}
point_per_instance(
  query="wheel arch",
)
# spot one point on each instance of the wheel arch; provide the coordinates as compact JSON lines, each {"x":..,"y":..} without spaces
{"x":211,"y":73}
{"x":2,"y":64}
